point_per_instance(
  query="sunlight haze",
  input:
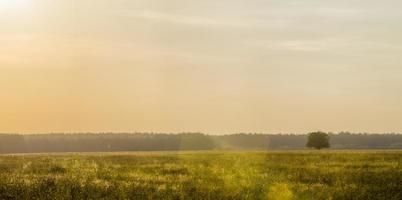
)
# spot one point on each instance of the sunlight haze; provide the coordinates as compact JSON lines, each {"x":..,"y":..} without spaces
{"x":227,"y":66}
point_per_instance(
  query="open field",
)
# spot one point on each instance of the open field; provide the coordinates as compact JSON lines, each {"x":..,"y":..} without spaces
{"x":273,"y":175}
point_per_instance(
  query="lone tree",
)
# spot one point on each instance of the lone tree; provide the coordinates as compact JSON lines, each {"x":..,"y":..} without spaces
{"x":318,"y":140}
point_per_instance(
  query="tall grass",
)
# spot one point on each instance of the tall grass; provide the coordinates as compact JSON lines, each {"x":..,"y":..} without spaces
{"x":204,"y":175}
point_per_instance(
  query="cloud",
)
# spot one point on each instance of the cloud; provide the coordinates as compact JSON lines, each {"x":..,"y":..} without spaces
{"x":173,"y":18}
{"x":198,"y":20}
{"x":306,"y":45}
{"x":335,"y":44}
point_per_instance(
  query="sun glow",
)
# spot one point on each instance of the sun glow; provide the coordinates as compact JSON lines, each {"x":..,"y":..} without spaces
{"x":13,"y":5}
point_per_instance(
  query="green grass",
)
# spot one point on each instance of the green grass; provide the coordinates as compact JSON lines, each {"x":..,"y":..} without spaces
{"x":213,"y":175}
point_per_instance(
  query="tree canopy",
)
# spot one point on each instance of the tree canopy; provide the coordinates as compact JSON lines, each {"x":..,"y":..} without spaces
{"x":109,"y":142}
{"x":318,"y":140}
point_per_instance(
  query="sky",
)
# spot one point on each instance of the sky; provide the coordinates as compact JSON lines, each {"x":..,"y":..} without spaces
{"x":219,"y":67}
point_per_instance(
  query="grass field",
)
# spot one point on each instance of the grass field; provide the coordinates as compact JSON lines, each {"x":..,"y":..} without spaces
{"x":278,"y":175}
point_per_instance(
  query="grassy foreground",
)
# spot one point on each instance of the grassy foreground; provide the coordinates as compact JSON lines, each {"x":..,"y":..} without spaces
{"x":204,"y":175}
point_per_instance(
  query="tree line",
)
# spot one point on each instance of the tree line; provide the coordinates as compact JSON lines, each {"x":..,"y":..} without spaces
{"x":111,"y":142}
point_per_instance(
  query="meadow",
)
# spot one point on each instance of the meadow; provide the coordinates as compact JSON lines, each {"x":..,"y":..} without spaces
{"x":275,"y":175}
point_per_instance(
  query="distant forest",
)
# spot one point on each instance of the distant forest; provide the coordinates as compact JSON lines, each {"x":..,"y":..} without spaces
{"x":111,"y":142}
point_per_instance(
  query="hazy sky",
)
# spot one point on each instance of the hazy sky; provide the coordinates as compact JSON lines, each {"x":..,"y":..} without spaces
{"x":216,"y":66}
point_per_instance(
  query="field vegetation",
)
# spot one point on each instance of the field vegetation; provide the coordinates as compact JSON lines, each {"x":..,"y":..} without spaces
{"x":281,"y":175}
